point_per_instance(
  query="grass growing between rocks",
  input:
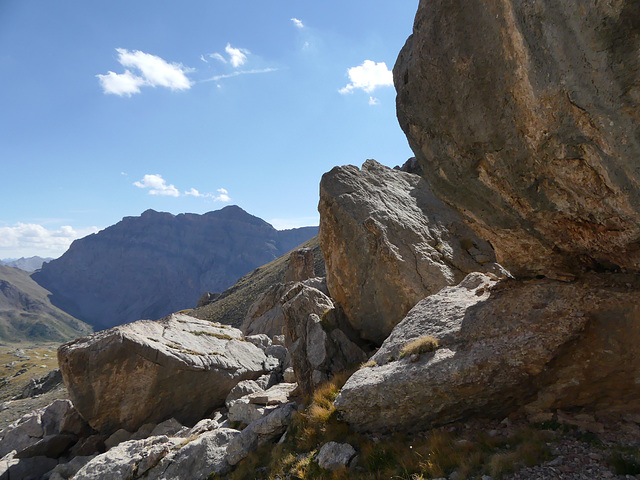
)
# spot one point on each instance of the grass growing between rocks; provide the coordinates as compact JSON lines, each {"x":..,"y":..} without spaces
{"x":424,"y":344}
{"x":426,"y":455}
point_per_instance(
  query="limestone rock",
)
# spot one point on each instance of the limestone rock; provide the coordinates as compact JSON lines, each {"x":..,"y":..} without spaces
{"x":242,"y":389}
{"x":259,"y":432}
{"x":317,"y":347}
{"x":33,"y":427}
{"x":64,"y":471}
{"x":198,"y":459}
{"x":38,"y":386}
{"x":333,"y":455}
{"x":301,"y":265}
{"x":525,"y":118}
{"x":265,"y":314}
{"x":543,"y":344}
{"x":130,"y":459}
{"x":388,"y":242}
{"x":146,"y":372}
{"x":246,"y":412}
{"x":276,"y":395}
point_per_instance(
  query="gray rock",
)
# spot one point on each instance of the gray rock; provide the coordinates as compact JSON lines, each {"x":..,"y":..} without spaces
{"x":168,"y":427}
{"x":259,"y":432}
{"x":388,"y":242}
{"x":131,"y":459}
{"x":333,"y":456}
{"x":242,"y":389}
{"x":265,"y":314}
{"x":525,"y":118}
{"x":138,"y":373}
{"x":289,"y":375}
{"x":246,"y":412}
{"x":198,"y":459}
{"x":260,"y":340}
{"x":117,"y":437}
{"x":276,"y":395}
{"x":65,"y":471}
{"x":313,"y":339}
{"x":31,"y":428}
{"x":51,"y":446}
{"x":38,"y":386}
{"x":539,"y":344}
{"x":26,"y":468}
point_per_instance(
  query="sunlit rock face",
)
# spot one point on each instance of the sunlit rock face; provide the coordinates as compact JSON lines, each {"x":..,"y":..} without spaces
{"x":524,"y":117}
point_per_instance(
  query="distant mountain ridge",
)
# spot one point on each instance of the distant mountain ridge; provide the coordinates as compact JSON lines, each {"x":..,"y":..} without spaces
{"x":27,"y":315}
{"x":159,"y":263}
{"x":30,"y":264}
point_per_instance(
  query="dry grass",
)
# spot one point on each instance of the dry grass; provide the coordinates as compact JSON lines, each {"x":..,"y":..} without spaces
{"x":424,"y":344}
{"x":433,"y":454}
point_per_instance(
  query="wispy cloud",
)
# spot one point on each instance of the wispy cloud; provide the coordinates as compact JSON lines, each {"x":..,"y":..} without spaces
{"x":297,"y":23}
{"x":29,"y":239}
{"x":215,"y":78}
{"x":156,"y":185}
{"x":373,"y":101}
{"x":150,"y":70}
{"x":368,"y":77}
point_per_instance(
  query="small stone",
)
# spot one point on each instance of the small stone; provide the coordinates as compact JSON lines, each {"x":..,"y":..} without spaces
{"x":333,"y":456}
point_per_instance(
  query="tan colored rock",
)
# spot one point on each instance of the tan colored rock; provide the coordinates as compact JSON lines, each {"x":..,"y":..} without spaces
{"x":388,"y":242}
{"x":540,"y":344}
{"x":147,"y":372}
{"x":301,"y":265}
{"x":525,"y":117}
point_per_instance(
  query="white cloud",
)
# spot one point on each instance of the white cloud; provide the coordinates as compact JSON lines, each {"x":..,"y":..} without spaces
{"x":151,"y":70}
{"x":204,"y":59}
{"x":297,"y":23}
{"x":238,"y":56}
{"x":368,"y":76}
{"x":223,"y":196}
{"x":157,"y":186}
{"x":374,"y":101}
{"x":29,"y":239}
{"x":121,"y":83}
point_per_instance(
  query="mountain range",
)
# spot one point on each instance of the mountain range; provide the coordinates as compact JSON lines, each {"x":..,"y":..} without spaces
{"x":159,"y":263}
{"x":26,"y":313}
{"x":30,"y":264}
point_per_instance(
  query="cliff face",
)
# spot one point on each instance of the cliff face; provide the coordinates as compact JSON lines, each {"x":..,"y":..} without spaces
{"x":524,"y":117}
{"x":158,"y":263}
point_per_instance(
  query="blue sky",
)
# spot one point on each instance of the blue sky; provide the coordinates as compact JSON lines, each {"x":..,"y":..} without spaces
{"x":110,"y":108}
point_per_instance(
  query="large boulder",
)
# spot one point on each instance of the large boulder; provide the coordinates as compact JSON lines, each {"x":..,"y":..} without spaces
{"x":149,"y":371}
{"x":318,"y":347}
{"x":540,"y":344}
{"x":525,"y":116}
{"x":388,"y":242}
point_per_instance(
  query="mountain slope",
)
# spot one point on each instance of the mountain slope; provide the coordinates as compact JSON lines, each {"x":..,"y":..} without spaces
{"x":26,"y":314}
{"x":159,"y":263}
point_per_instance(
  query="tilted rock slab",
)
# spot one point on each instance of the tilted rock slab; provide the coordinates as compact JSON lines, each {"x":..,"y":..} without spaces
{"x":146,"y":371}
{"x":388,"y":242}
{"x":525,"y":116}
{"x":540,"y":344}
